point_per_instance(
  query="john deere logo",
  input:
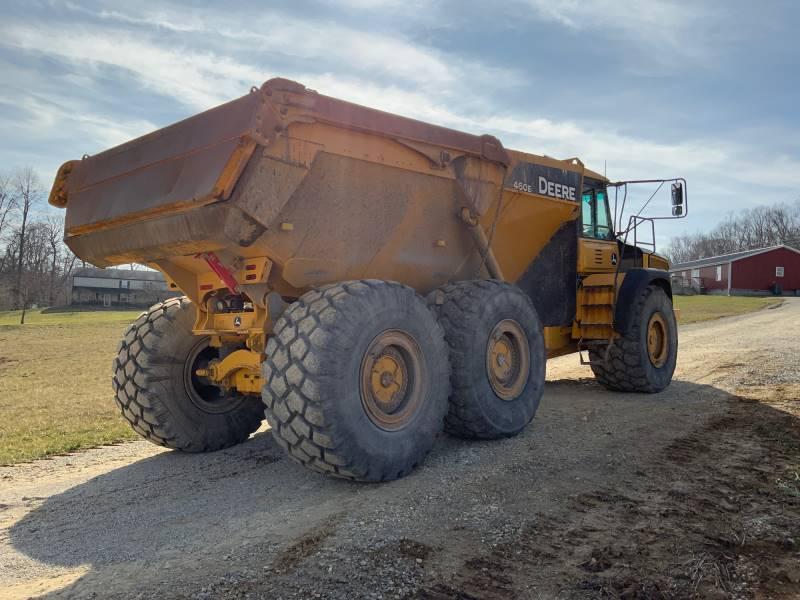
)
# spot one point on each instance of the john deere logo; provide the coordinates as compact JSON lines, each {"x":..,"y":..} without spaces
{"x":237,"y":321}
{"x":613,"y":258}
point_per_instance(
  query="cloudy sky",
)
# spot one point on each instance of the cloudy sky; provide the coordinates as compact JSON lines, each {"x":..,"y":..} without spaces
{"x":652,"y":88}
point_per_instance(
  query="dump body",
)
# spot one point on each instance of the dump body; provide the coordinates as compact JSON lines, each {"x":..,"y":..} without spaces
{"x":325,"y":189}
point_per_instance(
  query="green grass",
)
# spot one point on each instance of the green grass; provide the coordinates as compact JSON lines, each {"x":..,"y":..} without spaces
{"x":55,"y":383}
{"x":65,"y":315}
{"x":704,"y":308}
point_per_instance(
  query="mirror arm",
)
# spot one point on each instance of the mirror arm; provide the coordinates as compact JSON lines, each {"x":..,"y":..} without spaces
{"x":673,"y":180}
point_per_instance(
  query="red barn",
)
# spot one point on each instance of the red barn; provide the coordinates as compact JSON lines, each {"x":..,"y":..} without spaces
{"x":765,"y":271}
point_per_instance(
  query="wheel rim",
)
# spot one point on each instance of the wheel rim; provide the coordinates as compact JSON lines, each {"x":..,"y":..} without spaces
{"x":657,"y":340}
{"x":203,"y":394}
{"x":392,"y":380}
{"x":508,"y":359}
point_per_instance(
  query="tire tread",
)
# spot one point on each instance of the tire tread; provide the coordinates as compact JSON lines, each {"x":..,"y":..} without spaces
{"x":621,"y":368}
{"x":296,"y":360}
{"x":139,"y":378}
{"x":462,"y":303}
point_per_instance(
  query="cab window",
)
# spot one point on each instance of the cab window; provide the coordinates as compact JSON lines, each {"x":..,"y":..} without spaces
{"x":595,"y":214}
{"x":602,"y":224}
{"x":586,"y":212}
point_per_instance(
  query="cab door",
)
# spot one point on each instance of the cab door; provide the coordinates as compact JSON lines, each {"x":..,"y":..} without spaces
{"x":598,"y":251}
{"x":598,"y":256}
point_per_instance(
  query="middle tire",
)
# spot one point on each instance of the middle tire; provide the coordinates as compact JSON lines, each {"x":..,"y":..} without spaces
{"x":497,"y":356}
{"x":357,"y":380}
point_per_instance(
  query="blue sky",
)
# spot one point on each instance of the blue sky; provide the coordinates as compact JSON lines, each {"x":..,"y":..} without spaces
{"x":704,"y":90}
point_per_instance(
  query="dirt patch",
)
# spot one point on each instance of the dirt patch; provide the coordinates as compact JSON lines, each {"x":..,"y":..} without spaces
{"x":309,"y":544}
{"x":716,"y":516}
{"x":413,"y":549}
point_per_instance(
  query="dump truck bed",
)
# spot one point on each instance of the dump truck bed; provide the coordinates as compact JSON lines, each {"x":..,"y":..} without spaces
{"x":322,"y":189}
{"x":200,"y":159}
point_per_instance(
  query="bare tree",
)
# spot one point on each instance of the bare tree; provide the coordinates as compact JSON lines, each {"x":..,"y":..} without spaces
{"x":35,"y":264}
{"x":28,"y":192}
{"x":753,"y":228}
{"x":8,"y":202}
{"x":54,"y":236}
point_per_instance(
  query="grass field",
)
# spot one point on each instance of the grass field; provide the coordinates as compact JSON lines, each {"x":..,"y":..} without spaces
{"x":63,"y":316}
{"x":704,"y":308}
{"x":55,"y":375}
{"x":55,"y":382}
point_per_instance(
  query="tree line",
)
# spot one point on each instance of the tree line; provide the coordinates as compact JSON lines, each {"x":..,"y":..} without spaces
{"x":35,"y":264}
{"x":749,"y":229}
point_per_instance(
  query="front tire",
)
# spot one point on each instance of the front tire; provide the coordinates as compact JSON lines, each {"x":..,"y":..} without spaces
{"x":497,"y":355}
{"x":156,"y":388}
{"x":357,"y":380}
{"x":644,"y":359}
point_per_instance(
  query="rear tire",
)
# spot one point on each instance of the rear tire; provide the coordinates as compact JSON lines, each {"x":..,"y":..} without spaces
{"x":644,"y":359}
{"x":158,"y":393}
{"x":497,"y":355}
{"x":357,"y":380}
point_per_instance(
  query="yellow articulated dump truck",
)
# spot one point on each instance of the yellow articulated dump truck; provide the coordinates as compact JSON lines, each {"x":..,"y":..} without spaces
{"x":364,"y":279}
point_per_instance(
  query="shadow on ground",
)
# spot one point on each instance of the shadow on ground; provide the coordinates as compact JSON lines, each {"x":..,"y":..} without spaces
{"x":630,"y":496}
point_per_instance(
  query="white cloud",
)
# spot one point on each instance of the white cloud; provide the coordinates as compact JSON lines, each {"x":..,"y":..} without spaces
{"x":199,"y":79}
{"x":44,"y":120}
{"x":158,"y":17}
{"x":393,"y":6}
{"x":637,"y":16}
{"x":360,"y":51}
{"x":175,"y":66}
{"x":666,"y":32}
{"x":280,"y":35}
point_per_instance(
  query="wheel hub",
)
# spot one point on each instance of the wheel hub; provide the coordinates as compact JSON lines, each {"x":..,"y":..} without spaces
{"x":392,"y":380}
{"x":657,"y":340}
{"x":508,"y":359}
{"x":388,"y":378}
{"x":202,"y":391}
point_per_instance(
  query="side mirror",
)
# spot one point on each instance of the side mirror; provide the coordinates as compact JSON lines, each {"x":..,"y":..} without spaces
{"x":677,"y":199}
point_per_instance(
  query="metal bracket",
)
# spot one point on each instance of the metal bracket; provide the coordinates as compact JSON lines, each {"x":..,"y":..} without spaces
{"x":584,"y":345}
{"x":241,"y":369}
{"x":221,"y":270}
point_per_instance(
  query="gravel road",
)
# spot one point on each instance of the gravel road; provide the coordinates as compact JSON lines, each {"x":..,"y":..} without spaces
{"x":692,"y":492}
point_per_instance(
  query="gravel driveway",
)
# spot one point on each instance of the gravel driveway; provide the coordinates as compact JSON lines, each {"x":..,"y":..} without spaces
{"x":692,"y":492}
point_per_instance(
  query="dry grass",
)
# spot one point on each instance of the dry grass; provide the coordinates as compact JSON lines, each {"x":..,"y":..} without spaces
{"x":66,"y":315}
{"x":704,"y":308}
{"x":55,"y":383}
